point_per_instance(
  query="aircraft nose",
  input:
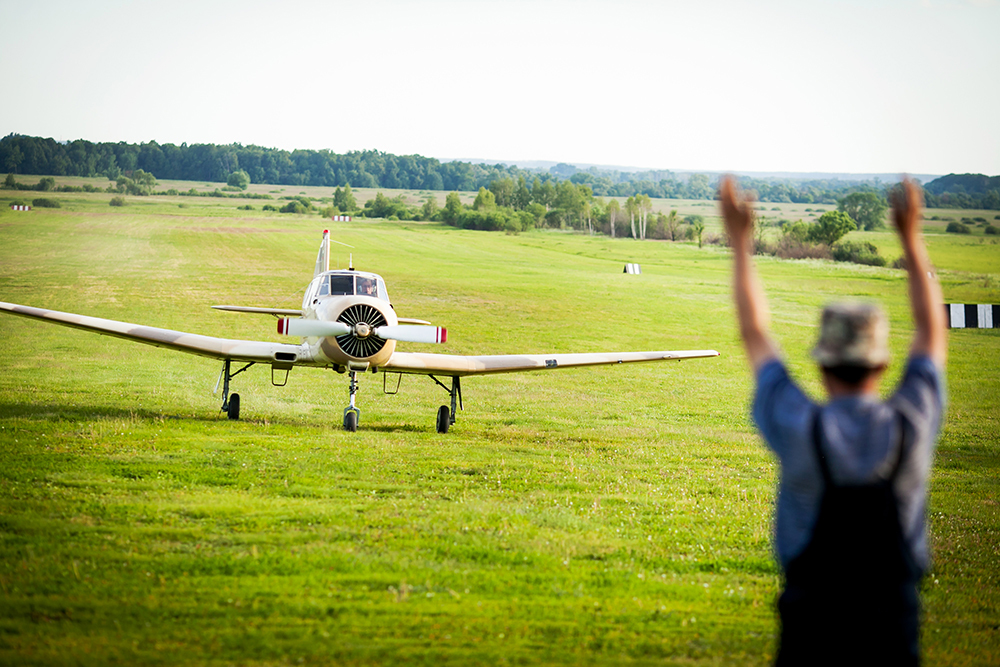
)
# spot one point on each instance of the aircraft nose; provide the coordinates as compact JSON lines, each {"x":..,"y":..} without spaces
{"x":362,"y":330}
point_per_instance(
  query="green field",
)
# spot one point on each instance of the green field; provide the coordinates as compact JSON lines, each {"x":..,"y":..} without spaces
{"x":614,"y":515}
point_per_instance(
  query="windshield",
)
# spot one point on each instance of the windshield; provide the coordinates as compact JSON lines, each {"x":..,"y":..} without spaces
{"x":349,"y":284}
{"x":340,"y":285}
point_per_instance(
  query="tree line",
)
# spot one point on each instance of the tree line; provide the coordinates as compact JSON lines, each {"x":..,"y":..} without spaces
{"x":20,"y":154}
{"x":213,"y":163}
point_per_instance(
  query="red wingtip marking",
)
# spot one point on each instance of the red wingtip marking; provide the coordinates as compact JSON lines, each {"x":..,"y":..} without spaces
{"x":442,"y":335}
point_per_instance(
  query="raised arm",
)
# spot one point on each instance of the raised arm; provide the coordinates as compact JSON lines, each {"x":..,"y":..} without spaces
{"x":751,"y":304}
{"x":931,"y":337}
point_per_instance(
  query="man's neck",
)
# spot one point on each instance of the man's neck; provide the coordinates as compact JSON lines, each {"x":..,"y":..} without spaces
{"x":867,"y":388}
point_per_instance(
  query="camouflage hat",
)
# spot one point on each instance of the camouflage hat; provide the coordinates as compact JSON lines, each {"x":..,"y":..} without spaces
{"x":853,"y":334}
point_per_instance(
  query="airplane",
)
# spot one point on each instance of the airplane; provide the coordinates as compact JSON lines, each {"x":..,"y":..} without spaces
{"x":346,"y":323}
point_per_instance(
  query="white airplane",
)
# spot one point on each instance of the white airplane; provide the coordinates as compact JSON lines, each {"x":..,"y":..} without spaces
{"x":347,"y":324}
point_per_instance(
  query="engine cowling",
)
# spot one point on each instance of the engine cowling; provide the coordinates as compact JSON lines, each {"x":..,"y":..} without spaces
{"x":362,"y":315}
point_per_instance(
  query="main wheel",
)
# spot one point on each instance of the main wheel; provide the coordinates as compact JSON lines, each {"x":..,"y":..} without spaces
{"x":351,"y":421}
{"x":444,"y":419}
{"x":234,"y":406}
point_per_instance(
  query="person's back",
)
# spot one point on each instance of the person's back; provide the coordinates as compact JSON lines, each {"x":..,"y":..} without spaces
{"x":850,"y":533}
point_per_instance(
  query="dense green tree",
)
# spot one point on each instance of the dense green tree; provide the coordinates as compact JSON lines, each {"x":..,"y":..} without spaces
{"x":830,"y":227}
{"x":13,"y":158}
{"x":344,"y":199}
{"x":537,"y":213}
{"x":485,"y":200}
{"x":239,"y":179}
{"x":380,"y":207}
{"x":503,"y":190}
{"x":543,"y":193}
{"x":430,"y":208}
{"x":699,"y":188}
{"x":522,"y":196}
{"x":569,"y":200}
{"x":140,"y":183}
{"x":797,"y":231}
{"x":867,"y":209}
{"x":452,"y":208}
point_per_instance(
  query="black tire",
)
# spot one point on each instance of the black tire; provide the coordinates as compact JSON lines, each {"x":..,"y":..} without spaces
{"x":351,"y":421}
{"x":444,"y":419}
{"x":234,"y":406}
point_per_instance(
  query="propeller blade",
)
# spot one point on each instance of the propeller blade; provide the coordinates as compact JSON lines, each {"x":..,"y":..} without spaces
{"x":299,"y":327}
{"x":413,"y":334}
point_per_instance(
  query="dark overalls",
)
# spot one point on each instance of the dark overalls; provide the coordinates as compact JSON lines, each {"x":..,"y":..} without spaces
{"x":850,"y":597}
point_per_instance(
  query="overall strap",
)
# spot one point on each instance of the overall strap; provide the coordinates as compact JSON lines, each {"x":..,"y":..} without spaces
{"x":901,"y":425}
{"x":817,"y":436}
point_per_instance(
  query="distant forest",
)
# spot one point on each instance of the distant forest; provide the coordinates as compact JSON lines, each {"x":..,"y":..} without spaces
{"x":21,"y":154}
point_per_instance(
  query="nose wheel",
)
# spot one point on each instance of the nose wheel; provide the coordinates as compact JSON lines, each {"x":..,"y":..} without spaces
{"x":351,"y":412}
{"x":350,"y":420}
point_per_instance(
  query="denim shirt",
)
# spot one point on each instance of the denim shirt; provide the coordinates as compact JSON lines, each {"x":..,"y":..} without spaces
{"x":860,"y":440}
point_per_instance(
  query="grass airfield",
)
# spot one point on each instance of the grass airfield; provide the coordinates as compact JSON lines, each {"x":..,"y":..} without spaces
{"x":614,"y":515}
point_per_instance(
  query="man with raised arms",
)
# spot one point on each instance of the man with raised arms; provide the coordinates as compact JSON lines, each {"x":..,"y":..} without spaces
{"x":849,"y":532}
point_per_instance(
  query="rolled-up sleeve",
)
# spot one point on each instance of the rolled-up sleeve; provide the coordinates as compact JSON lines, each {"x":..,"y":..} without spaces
{"x":780,"y":409}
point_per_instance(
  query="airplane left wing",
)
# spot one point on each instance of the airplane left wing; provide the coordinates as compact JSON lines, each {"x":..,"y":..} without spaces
{"x":205,"y":346}
{"x":460,"y":366}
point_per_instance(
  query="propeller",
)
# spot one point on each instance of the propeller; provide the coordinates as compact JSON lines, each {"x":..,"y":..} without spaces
{"x":299,"y":327}
{"x":403,"y":332}
{"x":412,"y":334}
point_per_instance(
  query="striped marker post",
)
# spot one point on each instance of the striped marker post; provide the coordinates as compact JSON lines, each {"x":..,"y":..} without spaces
{"x":972,"y":316}
{"x":632,"y":268}
{"x":19,"y":207}
{"x":340,"y":218}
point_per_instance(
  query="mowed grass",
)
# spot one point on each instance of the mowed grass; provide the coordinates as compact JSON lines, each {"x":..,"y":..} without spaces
{"x":595,"y":516}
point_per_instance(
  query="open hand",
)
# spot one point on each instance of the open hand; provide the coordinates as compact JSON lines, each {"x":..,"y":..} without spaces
{"x":737,"y":209}
{"x":907,"y":204}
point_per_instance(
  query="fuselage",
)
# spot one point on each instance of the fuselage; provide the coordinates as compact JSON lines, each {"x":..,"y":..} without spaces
{"x":356,"y":298}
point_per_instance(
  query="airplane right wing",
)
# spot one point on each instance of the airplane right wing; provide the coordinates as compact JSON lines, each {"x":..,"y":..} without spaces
{"x":461,"y":366}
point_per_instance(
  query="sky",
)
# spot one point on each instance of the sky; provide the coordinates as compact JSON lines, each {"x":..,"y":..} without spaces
{"x":846,"y":86}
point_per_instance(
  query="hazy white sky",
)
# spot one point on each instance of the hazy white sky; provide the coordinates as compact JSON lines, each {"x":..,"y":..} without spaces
{"x":773,"y":85}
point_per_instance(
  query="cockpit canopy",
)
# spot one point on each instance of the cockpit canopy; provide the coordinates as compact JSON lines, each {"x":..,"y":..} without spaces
{"x":346,"y":283}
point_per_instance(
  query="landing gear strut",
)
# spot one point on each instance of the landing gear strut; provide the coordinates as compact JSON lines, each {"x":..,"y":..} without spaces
{"x":446,"y":417}
{"x":351,"y":412}
{"x":230,"y":404}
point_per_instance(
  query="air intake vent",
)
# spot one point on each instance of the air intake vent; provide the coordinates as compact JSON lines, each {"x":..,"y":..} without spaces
{"x":361,"y":347}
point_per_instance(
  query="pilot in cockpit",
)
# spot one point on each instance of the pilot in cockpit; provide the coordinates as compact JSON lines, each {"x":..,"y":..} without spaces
{"x":366,"y":287}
